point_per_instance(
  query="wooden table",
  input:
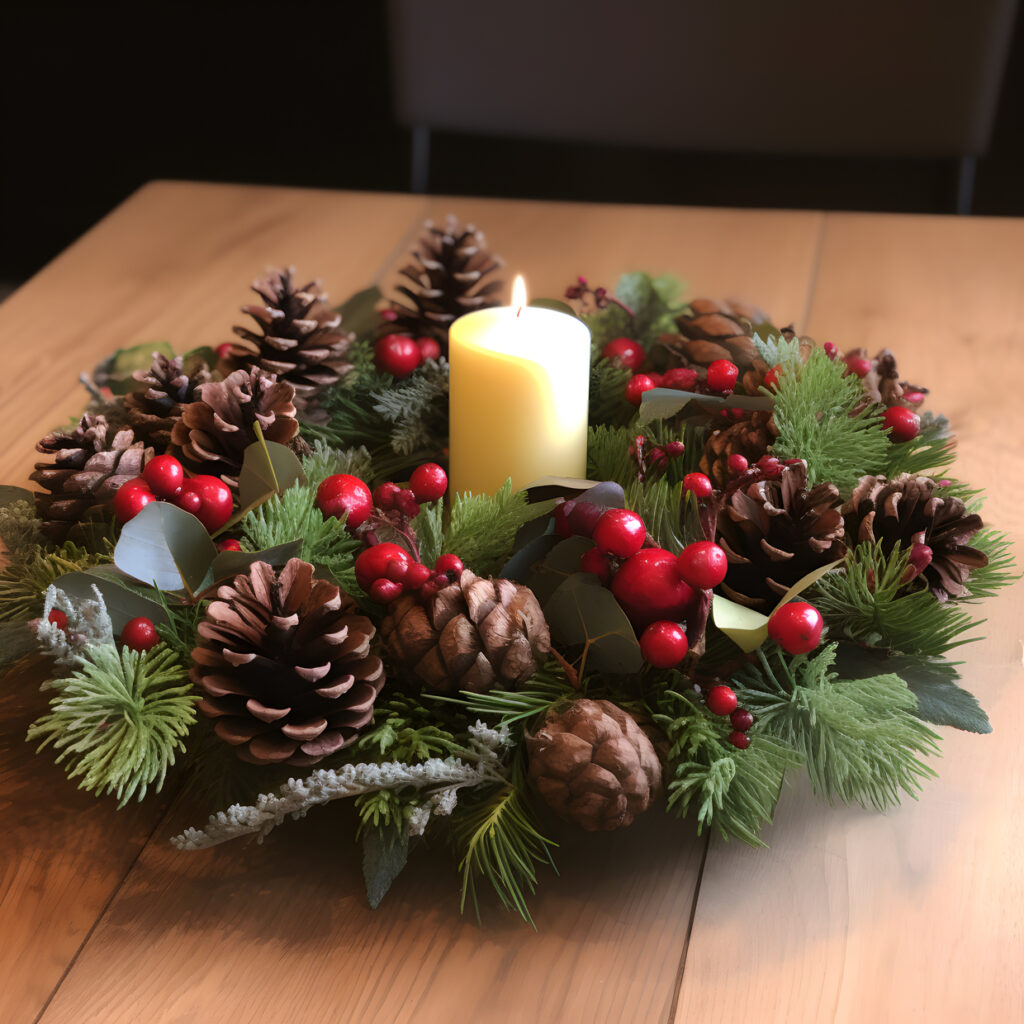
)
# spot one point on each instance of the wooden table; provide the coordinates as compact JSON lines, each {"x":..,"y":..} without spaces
{"x":850,"y":916}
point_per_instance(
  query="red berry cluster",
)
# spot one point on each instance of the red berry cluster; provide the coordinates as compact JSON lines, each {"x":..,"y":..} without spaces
{"x":347,"y":495}
{"x":399,"y":355}
{"x":722,"y":700}
{"x":901,"y":421}
{"x":208,"y":498}
{"x":386,"y":571}
{"x":652,"y":462}
{"x":720,"y":379}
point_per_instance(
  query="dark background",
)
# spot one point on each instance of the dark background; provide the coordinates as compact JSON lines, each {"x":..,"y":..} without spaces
{"x":98,"y":102}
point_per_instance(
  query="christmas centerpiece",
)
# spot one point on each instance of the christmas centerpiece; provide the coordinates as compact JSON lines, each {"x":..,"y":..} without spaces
{"x":684,"y":553}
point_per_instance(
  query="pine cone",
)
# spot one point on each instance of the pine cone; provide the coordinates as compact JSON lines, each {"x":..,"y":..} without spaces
{"x":714,"y":330}
{"x":298,"y":335}
{"x":594,"y":765}
{"x":156,"y":406}
{"x":448,"y":277}
{"x":214,"y":431}
{"x":774,"y":532}
{"x":749,"y":437}
{"x":475,"y":634}
{"x":909,"y":511}
{"x":84,"y":471}
{"x":882,"y":384}
{"x":285,"y":665}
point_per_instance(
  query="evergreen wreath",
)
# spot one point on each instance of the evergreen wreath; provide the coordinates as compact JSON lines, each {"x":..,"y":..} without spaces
{"x":770,"y":573}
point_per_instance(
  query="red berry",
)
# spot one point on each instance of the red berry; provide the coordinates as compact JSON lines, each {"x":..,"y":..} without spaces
{"x":914,"y":397}
{"x":740,"y":740}
{"x":830,"y":350}
{"x":626,"y":351}
{"x":699,"y":484}
{"x":215,"y":500}
{"x":406,"y":503}
{"x":770,"y":467}
{"x":722,"y":375}
{"x":721,"y":700}
{"x":384,"y":495}
{"x":584,"y":517}
{"x":771,"y":378}
{"x":741,"y":719}
{"x":58,"y":618}
{"x":648,"y":587}
{"x":188,"y":501}
{"x":636,"y":386}
{"x":679,"y":378}
{"x":131,"y":498}
{"x":396,"y":571}
{"x":449,"y":563}
{"x":344,"y":493}
{"x":428,"y":482}
{"x":560,"y":515}
{"x":164,"y":476}
{"x":383,"y":590}
{"x":620,"y":532}
{"x":858,"y":365}
{"x":796,"y":627}
{"x":372,"y":564}
{"x":416,"y":575}
{"x":663,"y":644}
{"x":903,"y":424}
{"x":703,"y":564}
{"x":225,"y":350}
{"x":595,"y":561}
{"x":429,"y":348}
{"x":396,"y":354}
{"x":140,"y":634}
{"x":737,"y":464}
{"x":674,"y":449}
{"x":228,"y":544}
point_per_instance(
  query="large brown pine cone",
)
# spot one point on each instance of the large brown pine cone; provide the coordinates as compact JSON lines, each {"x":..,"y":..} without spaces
{"x":450,"y":274}
{"x":285,"y":665}
{"x":166,"y":388}
{"x":214,"y":431}
{"x":298,"y":336}
{"x":774,"y":532}
{"x":711,"y":330}
{"x":475,"y":634}
{"x":594,"y":765}
{"x":83,"y":470}
{"x":910,"y":510}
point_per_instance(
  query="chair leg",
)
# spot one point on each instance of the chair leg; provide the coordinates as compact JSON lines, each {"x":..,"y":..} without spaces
{"x":965,"y":184}
{"x":419,"y":169}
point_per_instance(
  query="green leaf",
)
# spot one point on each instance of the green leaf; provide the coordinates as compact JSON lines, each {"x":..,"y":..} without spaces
{"x":664,"y":403}
{"x":562,"y":561}
{"x":527,"y":561}
{"x":9,"y":495}
{"x":229,"y":564}
{"x":123,"y":597}
{"x":165,"y":546}
{"x":267,"y":468}
{"x":385,"y":852}
{"x":581,"y":611}
{"x":359,"y":312}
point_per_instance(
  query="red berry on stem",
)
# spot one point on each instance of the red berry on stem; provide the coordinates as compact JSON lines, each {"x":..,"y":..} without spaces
{"x":674,"y":449}
{"x":703,"y":564}
{"x":164,"y":476}
{"x":596,"y":562}
{"x":131,"y":498}
{"x":396,"y":354}
{"x":429,"y":348}
{"x":903,"y":424}
{"x":428,"y":482}
{"x":914,"y":397}
{"x":58,"y":618}
{"x":584,"y":517}
{"x":560,"y":515}
{"x":620,"y":532}
{"x":449,"y":563}
{"x":225,"y":350}
{"x":406,"y":503}
{"x":858,"y":365}
{"x":228,"y":544}
{"x":771,"y":378}
{"x":796,"y":627}
{"x":740,"y":740}
{"x":344,"y":493}
{"x":384,"y":590}
{"x":636,"y":386}
{"x":416,"y":576}
{"x":215,"y":500}
{"x":679,"y":378}
{"x":722,"y":375}
{"x":830,"y":350}
{"x":384,"y":495}
{"x":648,"y":587}
{"x":741,"y":719}
{"x":737,"y":464}
{"x":140,"y":634}
{"x":628,"y":352}
{"x":663,"y":644}
{"x":188,"y":501}
{"x":372,"y":564}
{"x":396,"y":571}
{"x":699,"y":484}
{"x":721,"y":700}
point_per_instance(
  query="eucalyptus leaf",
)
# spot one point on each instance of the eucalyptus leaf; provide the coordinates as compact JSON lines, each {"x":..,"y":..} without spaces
{"x":359,"y":313}
{"x":561,"y":561}
{"x":746,"y":628}
{"x":664,"y":403}
{"x":17,"y":640}
{"x":546,"y":487}
{"x":385,"y":853}
{"x":229,"y":564}
{"x":166,"y":547}
{"x":9,"y":495}
{"x":581,"y":611}
{"x":267,"y":468}
{"x":526,"y":562}
{"x":116,"y":370}
{"x":124,"y":598}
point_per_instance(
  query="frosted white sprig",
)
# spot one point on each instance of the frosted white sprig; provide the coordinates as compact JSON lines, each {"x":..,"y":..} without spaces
{"x":88,"y":624}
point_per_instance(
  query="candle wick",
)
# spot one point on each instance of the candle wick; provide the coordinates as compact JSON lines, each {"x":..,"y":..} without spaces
{"x":518,"y":311}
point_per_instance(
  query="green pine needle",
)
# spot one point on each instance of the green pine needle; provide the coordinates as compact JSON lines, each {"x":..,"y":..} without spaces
{"x":608,"y":404}
{"x":1001,"y":570}
{"x":325,"y":461}
{"x":19,"y":531}
{"x":545,"y":689}
{"x":24,"y":581}
{"x":608,"y":455}
{"x":120,"y":719}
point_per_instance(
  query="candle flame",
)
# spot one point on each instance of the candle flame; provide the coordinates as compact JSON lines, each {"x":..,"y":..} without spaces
{"x":518,"y":294}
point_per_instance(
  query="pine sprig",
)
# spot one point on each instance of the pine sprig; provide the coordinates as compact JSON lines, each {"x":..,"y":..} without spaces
{"x":1001,"y":570}
{"x":608,"y":403}
{"x":120,"y":719}
{"x":658,"y":504}
{"x":325,"y":461}
{"x":545,"y":689}
{"x":417,"y":408}
{"x":608,"y":455}
{"x":859,"y":738}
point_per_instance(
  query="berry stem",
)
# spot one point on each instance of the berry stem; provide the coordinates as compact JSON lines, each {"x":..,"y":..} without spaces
{"x":570,"y":673}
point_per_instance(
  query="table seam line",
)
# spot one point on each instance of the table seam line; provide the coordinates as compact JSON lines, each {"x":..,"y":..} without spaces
{"x":680,"y":971}
{"x":812,"y":283}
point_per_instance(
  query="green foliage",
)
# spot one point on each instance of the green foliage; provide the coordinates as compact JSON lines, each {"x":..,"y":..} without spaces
{"x":859,"y":738}
{"x":813,"y":415}
{"x":181,"y":630}
{"x":404,"y":730}
{"x":654,"y":302}
{"x":1000,"y":571}
{"x":19,"y":531}
{"x":932,"y":449}
{"x":608,"y":455}
{"x":776,"y":350}
{"x":733,"y":791}
{"x":325,"y":461}
{"x":545,"y":689}
{"x":429,"y":529}
{"x":868,"y":603}
{"x":24,"y":581}
{"x":608,"y":403}
{"x":606,"y":325}
{"x":417,"y":409}
{"x":120,"y":719}
{"x":659,"y":504}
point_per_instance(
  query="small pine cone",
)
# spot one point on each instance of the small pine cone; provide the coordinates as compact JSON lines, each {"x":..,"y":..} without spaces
{"x":749,"y":437}
{"x":594,"y":765}
{"x":83,"y":471}
{"x":298,"y":336}
{"x":450,"y":274}
{"x":156,"y":406}
{"x":285,"y":666}
{"x":213,"y":432}
{"x":475,"y":634}
{"x":774,"y":532}
{"x":714,"y":330}
{"x":882,"y":384}
{"x":908,"y":511}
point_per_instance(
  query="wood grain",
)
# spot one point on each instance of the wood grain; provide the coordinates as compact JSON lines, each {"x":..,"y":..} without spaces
{"x":854,"y":916}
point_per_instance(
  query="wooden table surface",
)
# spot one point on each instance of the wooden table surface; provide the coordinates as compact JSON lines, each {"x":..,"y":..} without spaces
{"x":850,"y":916}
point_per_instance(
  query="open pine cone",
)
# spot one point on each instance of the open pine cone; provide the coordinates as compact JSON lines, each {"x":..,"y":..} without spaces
{"x":594,"y":765}
{"x":909,"y":511}
{"x":775,"y":532}
{"x":475,"y":634}
{"x":214,"y":431}
{"x":285,"y":665}
{"x":166,"y":388}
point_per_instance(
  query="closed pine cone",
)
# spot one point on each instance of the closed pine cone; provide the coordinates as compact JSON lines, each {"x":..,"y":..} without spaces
{"x":475,"y":634}
{"x":712,"y":330}
{"x":593,"y":765}
{"x":166,"y":388}
{"x":285,"y":666}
